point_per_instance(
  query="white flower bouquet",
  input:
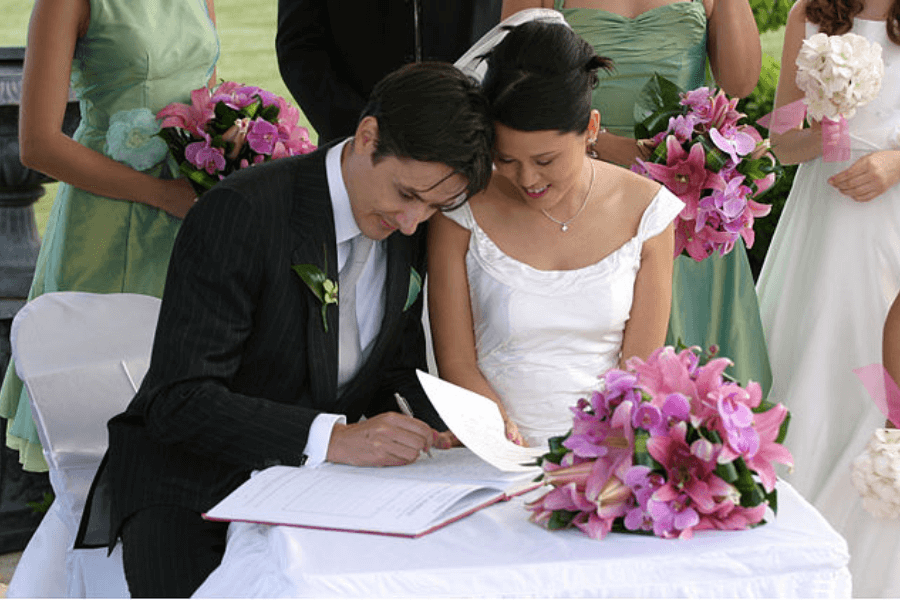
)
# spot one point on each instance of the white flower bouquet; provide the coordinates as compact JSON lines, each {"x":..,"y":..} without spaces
{"x":876,"y":474}
{"x":838,"y":74}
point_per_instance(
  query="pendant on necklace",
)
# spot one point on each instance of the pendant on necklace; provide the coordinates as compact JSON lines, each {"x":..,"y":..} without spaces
{"x":565,"y":227}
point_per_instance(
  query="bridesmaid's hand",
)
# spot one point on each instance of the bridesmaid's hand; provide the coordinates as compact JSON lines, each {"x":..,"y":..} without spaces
{"x":178,"y":197}
{"x":512,"y":433}
{"x":870,"y":176}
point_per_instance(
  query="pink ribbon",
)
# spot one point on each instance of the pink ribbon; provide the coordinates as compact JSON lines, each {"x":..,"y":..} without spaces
{"x":835,"y":134}
{"x":883,"y":389}
{"x":785,"y":117}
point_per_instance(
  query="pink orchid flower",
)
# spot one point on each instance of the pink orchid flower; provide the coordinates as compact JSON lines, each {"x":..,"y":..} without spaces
{"x":204,"y":156}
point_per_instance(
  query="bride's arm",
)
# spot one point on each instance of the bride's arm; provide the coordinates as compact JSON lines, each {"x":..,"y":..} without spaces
{"x":645,"y":330}
{"x":796,"y":145}
{"x":450,"y":312}
{"x":52,"y":33}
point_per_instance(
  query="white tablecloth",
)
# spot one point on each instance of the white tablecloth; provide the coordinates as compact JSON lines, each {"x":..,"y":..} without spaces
{"x":498,"y":552}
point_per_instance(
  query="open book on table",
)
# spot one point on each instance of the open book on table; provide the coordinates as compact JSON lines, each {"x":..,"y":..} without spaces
{"x":410,"y":500}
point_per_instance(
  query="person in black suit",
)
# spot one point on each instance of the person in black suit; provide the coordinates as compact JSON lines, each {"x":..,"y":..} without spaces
{"x":248,"y":368}
{"x":332,"y":52}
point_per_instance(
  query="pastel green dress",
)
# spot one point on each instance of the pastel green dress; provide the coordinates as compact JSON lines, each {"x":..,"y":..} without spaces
{"x":713,"y":301}
{"x":136,"y":54}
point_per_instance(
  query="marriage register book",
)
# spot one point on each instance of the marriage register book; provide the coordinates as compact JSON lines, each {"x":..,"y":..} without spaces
{"x":411,"y":500}
{"x":408,"y":501}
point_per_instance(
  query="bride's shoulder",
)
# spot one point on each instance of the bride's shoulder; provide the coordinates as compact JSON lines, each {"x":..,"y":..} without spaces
{"x":633,"y":189}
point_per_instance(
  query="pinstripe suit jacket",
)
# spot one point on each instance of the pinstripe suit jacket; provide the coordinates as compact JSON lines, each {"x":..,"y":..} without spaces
{"x":241,"y":362}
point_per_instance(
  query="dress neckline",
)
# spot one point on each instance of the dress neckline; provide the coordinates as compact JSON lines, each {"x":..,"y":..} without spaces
{"x":643,"y":14}
{"x":550,"y":272}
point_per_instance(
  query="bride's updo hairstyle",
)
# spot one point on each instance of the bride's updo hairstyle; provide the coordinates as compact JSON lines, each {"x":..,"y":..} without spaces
{"x":541,"y":77}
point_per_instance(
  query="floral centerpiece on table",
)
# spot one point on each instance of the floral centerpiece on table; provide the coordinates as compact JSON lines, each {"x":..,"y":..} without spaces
{"x":668,"y":447}
{"x":876,"y":472}
{"x":717,"y":165}
{"x":231,"y":127}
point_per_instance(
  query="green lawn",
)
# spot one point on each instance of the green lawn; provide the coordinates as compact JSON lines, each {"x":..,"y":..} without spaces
{"x":247,"y":33}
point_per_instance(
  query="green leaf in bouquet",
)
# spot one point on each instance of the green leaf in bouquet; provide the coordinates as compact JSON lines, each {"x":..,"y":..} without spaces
{"x":251,"y":110}
{"x":641,"y":456}
{"x":560,"y":519}
{"x":715,"y":158}
{"x":557,"y":450}
{"x":750,"y":490}
{"x":772,"y":499}
{"x":270,"y":113}
{"x":199,"y":179}
{"x":225,"y":117}
{"x":659,"y":95}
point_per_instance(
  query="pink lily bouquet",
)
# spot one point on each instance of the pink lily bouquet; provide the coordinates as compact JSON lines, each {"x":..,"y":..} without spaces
{"x":231,"y":127}
{"x":669,"y":446}
{"x":717,"y":165}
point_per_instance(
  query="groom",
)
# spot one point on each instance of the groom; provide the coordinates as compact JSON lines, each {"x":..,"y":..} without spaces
{"x":253,"y":365}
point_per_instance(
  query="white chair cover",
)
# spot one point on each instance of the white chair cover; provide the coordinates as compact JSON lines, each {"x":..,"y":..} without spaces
{"x":82,"y":357}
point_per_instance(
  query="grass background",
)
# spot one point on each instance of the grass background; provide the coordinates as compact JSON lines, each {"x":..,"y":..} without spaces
{"x":247,"y":35}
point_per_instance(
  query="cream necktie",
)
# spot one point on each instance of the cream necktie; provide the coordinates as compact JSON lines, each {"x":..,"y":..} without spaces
{"x":348,"y":326}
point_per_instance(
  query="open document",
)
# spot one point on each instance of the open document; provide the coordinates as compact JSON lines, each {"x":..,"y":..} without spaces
{"x":410,"y":500}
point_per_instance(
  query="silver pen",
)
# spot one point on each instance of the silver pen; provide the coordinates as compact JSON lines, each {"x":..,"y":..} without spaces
{"x":406,"y":410}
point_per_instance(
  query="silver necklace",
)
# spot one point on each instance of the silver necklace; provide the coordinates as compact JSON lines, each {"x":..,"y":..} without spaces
{"x":564,"y":225}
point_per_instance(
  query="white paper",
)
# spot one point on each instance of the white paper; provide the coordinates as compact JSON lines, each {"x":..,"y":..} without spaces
{"x":477,"y":422}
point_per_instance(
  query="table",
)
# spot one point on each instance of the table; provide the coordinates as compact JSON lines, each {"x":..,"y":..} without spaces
{"x":497,"y":552}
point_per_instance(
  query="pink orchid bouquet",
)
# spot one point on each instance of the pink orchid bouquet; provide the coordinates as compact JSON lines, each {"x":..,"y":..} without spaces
{"x":706,"y":156}
{"x":670,"y":446}
{"x":231,"y":127}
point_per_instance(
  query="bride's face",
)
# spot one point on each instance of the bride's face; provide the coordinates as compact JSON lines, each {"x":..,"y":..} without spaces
{"x":544,"y":166}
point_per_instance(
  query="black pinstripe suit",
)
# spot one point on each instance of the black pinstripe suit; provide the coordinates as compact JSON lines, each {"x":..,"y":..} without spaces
{"x":241,"y":362}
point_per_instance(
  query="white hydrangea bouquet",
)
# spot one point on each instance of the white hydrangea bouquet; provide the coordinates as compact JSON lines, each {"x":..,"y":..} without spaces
{"x":837,"y":74}
{"x":876,"y":472}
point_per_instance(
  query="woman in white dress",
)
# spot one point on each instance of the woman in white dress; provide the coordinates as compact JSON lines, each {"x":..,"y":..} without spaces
{"x":562,"y":268}
{"x":830,"y":275}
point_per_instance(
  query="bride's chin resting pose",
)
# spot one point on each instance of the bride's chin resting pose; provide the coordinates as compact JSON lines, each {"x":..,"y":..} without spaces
{"x":562,"y":268}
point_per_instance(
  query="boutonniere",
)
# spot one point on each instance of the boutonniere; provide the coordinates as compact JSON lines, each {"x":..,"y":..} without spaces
{"x":326,"y":290}
{"x":415,"y":287}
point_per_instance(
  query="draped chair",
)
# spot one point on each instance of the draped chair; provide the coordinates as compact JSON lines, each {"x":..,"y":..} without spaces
{"x":82,"y":357}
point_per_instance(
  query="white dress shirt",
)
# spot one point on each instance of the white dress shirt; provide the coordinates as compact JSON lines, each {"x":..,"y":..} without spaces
{"x":369,"y":305}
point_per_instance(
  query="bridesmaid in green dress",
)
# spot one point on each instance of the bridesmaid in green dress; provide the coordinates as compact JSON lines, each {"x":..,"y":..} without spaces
{"x":713,"y":301}
{"x":113,"y":222}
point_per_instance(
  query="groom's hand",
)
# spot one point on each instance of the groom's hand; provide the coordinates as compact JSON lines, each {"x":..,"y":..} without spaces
{"x":387,"y":439}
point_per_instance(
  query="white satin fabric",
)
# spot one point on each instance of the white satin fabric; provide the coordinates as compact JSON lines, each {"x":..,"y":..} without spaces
{"x":831,"y":273}
{"x":498,"y":553}
{"x":544,"y":337}
{"x":82,"y":357}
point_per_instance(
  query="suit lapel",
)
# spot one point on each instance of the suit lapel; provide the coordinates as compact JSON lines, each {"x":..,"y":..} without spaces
{"x":312,"y":222}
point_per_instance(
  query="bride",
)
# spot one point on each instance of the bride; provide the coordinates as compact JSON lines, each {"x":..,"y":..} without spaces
{"x":562,"y":268}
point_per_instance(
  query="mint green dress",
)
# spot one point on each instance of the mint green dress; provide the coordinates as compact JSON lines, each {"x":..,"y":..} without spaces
{"x":713,"y":301}
{"x":136,"y":54}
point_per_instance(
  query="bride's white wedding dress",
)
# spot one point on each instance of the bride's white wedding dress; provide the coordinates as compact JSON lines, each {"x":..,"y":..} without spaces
{"x":830,"y":275}
{"x":543,"y":338}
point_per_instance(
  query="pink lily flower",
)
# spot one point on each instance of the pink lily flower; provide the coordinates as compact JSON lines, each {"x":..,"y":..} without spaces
{"x":767,"y":426}
{"x":684,"y":173}
{"x":191,"y":117}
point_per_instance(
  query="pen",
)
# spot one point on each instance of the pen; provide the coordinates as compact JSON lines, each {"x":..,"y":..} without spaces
{"x":406,"y":410}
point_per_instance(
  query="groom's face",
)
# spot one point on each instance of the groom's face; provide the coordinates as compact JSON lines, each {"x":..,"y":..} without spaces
{"x":395,"y":193}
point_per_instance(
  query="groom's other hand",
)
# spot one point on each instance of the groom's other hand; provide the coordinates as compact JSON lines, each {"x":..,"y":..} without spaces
{"x":387,"y":439}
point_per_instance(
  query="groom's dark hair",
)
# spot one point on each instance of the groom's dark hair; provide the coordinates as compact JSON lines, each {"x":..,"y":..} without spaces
{"x":432,"y":112}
